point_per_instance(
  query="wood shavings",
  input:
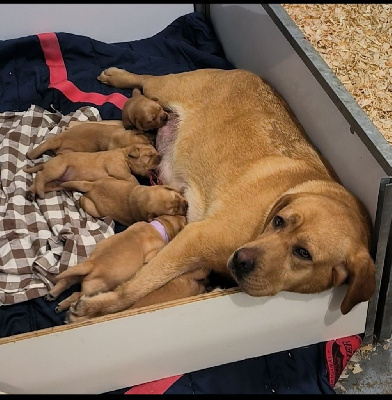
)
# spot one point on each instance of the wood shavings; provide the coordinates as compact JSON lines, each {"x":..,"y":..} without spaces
{"x":355,"y":40}
{"x":341,"y":387}
{"x":357,"y":369}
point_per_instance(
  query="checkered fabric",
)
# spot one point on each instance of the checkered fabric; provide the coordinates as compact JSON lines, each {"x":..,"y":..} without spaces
{"x":39,"y":238}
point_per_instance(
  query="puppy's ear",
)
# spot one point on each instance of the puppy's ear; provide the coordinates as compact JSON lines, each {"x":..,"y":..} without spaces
{"x":151,"y":216}
{"x":134,"y":152}
{"x":359,"y":272}
{"x":136,"y":92}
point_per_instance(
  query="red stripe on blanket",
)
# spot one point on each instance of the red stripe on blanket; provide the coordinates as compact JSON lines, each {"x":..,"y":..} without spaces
{"x":155,"y":387}
{"x":59,"y":80}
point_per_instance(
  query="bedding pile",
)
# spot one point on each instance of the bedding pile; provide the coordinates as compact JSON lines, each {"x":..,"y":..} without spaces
{"x":48,"y":80}
{"x":40,"y":238}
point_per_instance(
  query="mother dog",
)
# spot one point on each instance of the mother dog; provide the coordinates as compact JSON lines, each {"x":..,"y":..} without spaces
{"x":264,"y":206}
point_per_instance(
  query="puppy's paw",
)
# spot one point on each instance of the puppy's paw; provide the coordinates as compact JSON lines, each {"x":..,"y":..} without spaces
{"x":50,"y":297}
{"x":181,"y":205}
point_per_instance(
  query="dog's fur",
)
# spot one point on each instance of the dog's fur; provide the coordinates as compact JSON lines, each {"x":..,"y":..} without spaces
{"x":264,"y":206}
{"x":121,"y":163}
{"x":90,"y":137}
{"x":127,"y":201}
{"x":117,"y":258}
{"x":143,"y":113}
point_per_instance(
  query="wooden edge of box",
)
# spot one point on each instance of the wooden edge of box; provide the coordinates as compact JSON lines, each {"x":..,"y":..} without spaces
{"x":122,"y":314}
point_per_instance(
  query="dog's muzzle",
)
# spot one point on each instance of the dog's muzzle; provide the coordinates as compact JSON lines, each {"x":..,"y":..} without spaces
{"x":242,"y":262}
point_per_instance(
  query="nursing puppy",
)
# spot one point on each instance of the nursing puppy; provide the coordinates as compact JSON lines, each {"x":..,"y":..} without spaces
{"x":143,"y":113}
{"x":89,"y":137}
{"x":117,"y":258}
{"x":127,"y":201}
{"x":122,"y":163}
{"x":264,"y":207}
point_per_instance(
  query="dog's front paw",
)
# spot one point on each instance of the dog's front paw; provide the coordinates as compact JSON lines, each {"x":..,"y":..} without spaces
{"x":81,"y":310}
{"x":109,"y":75}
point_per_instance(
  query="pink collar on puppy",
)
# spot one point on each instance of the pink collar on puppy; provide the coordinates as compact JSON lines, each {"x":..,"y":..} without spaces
{"x":161,"y":229}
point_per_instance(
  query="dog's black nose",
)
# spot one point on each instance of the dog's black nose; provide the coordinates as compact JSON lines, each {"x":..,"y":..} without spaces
{"x":165,"y":117}
{"x":244,"y":261}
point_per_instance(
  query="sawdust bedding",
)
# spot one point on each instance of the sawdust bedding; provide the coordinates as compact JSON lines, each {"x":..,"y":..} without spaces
{"x":355,"y":40}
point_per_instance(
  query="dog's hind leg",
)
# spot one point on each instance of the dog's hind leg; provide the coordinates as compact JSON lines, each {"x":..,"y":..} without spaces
{"x":183,"y":88}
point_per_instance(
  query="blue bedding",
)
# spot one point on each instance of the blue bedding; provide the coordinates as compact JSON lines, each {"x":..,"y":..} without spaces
{"x":33,"y":70}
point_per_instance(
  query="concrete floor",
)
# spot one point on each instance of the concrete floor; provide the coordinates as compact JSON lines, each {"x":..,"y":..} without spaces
{"x":369,"y":370}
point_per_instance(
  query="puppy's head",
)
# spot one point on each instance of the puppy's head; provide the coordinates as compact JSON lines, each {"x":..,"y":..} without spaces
{"x":162,"y":200}
{"x":309,"y":243}
{"x":143,"y":113}
{"x":142,"y":158}
{"x":173,"y":224}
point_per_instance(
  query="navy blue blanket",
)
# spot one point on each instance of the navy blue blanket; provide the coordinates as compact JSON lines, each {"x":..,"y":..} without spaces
{"x":30,"y":75}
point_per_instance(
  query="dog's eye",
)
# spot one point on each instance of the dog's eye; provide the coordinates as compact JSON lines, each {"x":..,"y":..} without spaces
{"x":302,"y":253}
{"x":278,"y":221}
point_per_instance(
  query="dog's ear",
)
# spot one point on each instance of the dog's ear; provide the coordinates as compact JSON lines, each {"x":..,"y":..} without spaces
{"x":359,"y":272}
{"x":284,"y":201}
{"x":133,"y":152}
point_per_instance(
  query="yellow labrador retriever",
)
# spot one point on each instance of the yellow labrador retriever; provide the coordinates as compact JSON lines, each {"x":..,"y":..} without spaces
{"x":263,"y":205}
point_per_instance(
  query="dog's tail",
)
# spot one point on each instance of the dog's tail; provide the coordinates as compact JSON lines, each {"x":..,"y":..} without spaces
{"x":80,"y":186}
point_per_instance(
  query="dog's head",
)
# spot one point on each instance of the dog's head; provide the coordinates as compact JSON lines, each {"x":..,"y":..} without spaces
{"x":142,"y":158}
{"x":309,"y":243}
{"x":143,"y":113}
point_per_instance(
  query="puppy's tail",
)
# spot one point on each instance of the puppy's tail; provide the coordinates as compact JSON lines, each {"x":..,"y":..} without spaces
{"x":80,"y":186}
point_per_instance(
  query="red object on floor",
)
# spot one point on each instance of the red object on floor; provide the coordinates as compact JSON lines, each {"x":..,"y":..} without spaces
{"x":154,"y":387}
{"x":338,"y":353}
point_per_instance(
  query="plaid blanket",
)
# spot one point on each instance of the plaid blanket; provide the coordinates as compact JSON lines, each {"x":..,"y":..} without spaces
{"x":39,"y":238}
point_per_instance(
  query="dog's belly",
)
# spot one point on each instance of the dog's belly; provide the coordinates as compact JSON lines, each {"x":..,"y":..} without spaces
{"x":165,"y":140}
{"x":174,"y":175}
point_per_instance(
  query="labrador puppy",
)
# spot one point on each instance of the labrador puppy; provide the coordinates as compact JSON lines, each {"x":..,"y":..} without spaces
{"x":89,"y":137}
{"x":143,"y":113}
{"x":121,"y":163}
{"x":264,"y":207}
{"x":127,"y":201}
{"x":117,"y":258}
